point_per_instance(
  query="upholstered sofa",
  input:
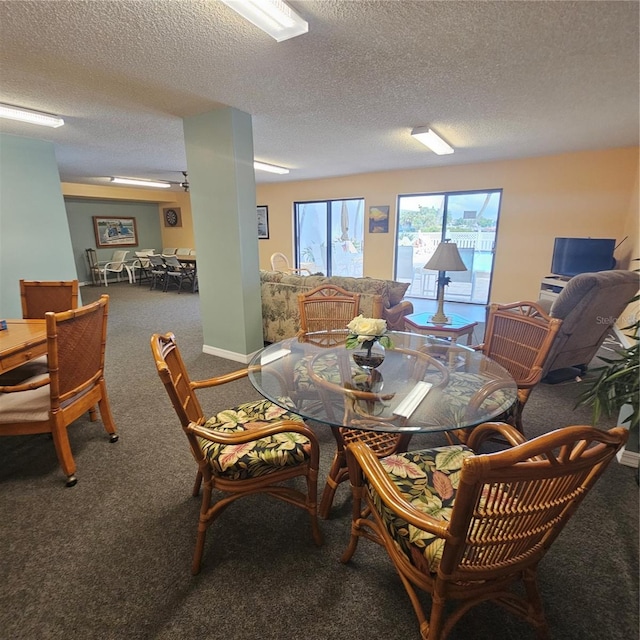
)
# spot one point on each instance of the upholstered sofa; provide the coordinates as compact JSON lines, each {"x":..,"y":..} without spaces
{"x":588,"y":306}
{"x":280,"y":319}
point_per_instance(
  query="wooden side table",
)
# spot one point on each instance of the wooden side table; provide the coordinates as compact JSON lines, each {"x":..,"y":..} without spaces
{"x":456,"y":328}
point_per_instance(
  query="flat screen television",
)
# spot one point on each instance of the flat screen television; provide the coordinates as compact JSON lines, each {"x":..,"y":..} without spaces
{"x":572,"y":256}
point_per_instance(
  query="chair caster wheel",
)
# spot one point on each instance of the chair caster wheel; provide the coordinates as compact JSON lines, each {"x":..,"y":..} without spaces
{"x":71,"y":481}
{"x":113,"y":437}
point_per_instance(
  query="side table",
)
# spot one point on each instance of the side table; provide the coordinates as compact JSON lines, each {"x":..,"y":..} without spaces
{"x":456,"y":328}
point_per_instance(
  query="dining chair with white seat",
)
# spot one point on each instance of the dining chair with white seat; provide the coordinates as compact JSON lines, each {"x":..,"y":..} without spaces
{"x":280,"y":262}
{"x":141,"y":266}
{"x":117,"y":265}
{"x":178,"y":273}
{"x":158,"y":270}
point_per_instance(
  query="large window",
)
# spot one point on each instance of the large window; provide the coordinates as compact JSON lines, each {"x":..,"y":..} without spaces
{"x":470,"y":219}
{"x":329,"y":236}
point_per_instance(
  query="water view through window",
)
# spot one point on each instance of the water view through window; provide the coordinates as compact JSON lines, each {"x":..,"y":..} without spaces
{"x":470,"y":219}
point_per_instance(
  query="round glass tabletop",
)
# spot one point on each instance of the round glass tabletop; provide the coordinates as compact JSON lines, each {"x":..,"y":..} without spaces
{"x":422,"y":383}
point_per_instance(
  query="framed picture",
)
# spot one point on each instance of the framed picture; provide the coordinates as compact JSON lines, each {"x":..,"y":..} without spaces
{"x":379,"y":219}
{"x":115,"y":232}
{"x":172,"y":217}
{"x":263,"y":222}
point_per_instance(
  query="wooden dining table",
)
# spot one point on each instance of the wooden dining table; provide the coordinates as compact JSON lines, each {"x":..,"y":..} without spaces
{"x":21,"y":341}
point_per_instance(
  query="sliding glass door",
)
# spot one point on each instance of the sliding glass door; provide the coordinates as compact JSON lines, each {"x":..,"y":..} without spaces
{"x":470,"y":219}
{"x":329,"y":236}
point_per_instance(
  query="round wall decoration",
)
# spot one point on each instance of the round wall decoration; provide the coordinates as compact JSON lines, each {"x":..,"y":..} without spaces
{"x":172,"y":217}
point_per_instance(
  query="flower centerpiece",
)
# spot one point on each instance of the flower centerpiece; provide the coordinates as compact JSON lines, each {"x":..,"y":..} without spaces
{"x":365,"y":334}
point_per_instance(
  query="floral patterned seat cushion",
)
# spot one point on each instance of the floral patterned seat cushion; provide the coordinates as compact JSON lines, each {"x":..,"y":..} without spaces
{"x":428,"y":479}
{"x":259,"y":457}
{"x":462,"y":386}
{"x":325,"y":367}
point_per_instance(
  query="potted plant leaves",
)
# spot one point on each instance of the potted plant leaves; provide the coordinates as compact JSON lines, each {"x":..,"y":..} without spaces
{"x":616,"y":389}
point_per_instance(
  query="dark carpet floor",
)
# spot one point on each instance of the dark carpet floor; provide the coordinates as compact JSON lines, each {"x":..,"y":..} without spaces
{"x":110,"y":558}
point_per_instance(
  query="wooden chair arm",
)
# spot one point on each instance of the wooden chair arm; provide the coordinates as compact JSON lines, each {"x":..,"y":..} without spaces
{"x":368,"y":463}
{"x":25,"y":386}
{"x":254,"y":431}
{"x":490,"y":429}
{"x":218,"y":380}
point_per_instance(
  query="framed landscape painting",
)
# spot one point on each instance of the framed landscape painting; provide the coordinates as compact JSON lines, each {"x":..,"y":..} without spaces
{"x":379,"y":219}
{"x":263,"y":222}
{"x":115,"y":232}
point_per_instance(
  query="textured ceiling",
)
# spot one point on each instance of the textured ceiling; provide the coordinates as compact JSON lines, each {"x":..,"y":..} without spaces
{"x":498,"y":80}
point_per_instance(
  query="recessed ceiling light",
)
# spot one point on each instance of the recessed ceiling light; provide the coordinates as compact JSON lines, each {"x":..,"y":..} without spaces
{"x":275,"y":17}
{"x":271,"y":168}
{"x":27,"y":115}
{"x":431,"y":139}
{"x":141,"y":183}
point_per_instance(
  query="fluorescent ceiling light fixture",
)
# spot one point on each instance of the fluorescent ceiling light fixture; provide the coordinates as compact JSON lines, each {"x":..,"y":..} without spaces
{"x":274,"y":17}
{"x":431,"y":139}
{"x":271,"y":168}
{"x":134,"y":182}
{"x":32,"y":117}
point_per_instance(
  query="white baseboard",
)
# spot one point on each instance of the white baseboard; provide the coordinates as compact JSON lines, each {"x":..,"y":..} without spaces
{"x":628,"y":458}
{"x":624,"y":339}
{"x":228,"y":355}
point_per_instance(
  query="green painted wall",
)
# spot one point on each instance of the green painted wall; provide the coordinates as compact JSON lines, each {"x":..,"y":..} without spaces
{"x":35,"y":243}
{"x":80,"y":214}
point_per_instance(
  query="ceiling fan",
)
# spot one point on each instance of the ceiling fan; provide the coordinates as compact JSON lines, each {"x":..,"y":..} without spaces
{"x":183,"y":183}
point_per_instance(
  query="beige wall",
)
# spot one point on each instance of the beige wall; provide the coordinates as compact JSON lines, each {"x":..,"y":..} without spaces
{"x":592,"y":193}
{"x":632,"y":253}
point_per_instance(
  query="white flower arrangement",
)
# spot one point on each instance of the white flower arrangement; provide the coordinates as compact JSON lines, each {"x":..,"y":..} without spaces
{"x":363,"y":332}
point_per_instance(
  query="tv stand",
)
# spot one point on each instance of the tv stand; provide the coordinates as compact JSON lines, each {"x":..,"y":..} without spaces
{"x":551,"y":286}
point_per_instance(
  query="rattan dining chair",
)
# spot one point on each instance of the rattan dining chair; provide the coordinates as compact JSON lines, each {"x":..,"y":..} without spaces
{"x":322,"y":310}
{"x":327,"y":308}
{"x":519,"y":336}
{"x":39,"y":296}
{"x":465,"y":527}
{"x":51,"y":402}
{"x":248,"y":449}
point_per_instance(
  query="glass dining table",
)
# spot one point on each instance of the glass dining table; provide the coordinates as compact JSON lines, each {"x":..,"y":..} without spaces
{"x":424,"y":384}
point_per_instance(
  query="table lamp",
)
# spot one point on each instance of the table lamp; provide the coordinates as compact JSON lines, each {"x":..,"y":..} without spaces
{"x":446,"y":258}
